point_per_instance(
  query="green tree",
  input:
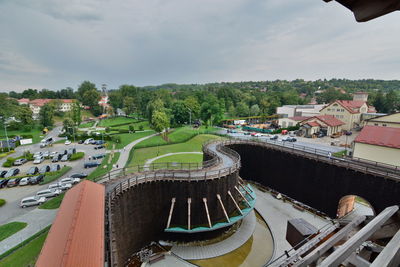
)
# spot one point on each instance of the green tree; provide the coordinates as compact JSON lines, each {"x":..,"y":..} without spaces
{"x":391,"y":102}
{"x":379,"y":102}
{"x":85,"y":87}
{"x":211,"y":111}
{"x":192,"y":104}
{"x":129,"y":105}
{"x":76,"y":113}
{"x":24,"y":114}
{"x":180,"y":113}
{"x":68,"y":125}
{"x":155,"y":105}
{"x":242,"y":109}
{"x":254,"y":110}
{"x":160,"y":121}
{"x":46,"y":114}
{"x":91,"y":98}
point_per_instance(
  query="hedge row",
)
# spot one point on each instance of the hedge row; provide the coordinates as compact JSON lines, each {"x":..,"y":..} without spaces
{"x":2,"y":202}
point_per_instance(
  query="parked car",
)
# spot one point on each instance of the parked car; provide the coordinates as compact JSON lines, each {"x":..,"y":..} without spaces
{"x":67,"y":142}
{"x":274,"y":137}
{"x":32,"y":170}
{"x":37,"y":154}
{"x":36,"y":179}
{"x":38,"y":160}
{"x":11,"y":172}
{"x":32,"y":201}
{"x":66,"y":157}
{"x":91,"y":164}
{"x":46,"y":154}
{"x":70,"y":180}
{"x":19,"y":162}
{"x":71,"y":151}
{"x":79,"y":175}
{"x":44,"y":169}
{"x":98,"y":156}
{"x":60,"y":186}
{"x":48,"y":193}
{"x":55,"y":158}
{"x":13,"y":182}
{"x":3,"y":183}
{"x":81,"y":142}
{"x":52,"y":154}
{"x":99,"y":147}
{"x":246,"y":133}
{"x":24,"y":181}
{"x":88,"y":141}
{"x":100,"y":142}
{"x":63,"y":152}
{"x":55,"y":167}
{"x":2,"y":173}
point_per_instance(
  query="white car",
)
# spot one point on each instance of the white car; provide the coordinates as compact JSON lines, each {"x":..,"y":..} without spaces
{"x":38,"y":160}
{"x":32,"y":201}
{"x":60,"y":186}
{"x":46,"y":154}
{"x":88,"y":141}
{"x":48,"y":193}
{"x":70,"y":180}
{"x":37,"y":154}
{"x":24,"y":181}
{"x":67,"y":142}
{"x":52,"y":154}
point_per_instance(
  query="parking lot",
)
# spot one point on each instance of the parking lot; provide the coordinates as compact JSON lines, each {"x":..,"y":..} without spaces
{"x":14,"y":195}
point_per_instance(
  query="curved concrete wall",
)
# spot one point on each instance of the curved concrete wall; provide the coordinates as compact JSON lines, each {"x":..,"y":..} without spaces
{"x":315,"y":183}
{"x":140,"y":214}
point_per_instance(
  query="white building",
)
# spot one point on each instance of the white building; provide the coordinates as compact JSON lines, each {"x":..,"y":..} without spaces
{"x":35,"y":105}
{"x":287,"y":111}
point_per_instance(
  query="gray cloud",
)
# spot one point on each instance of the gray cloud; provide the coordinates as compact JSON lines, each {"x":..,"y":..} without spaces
{"x":54,"y":44}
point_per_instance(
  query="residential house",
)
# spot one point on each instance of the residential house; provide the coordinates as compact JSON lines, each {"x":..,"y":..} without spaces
{"x":327,"y":124}
{"x":379,"y":144}
{"x":391,"y":120}
{"x":349,"y":111}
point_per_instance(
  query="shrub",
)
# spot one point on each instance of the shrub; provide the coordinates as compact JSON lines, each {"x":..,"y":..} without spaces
{"x":77,"y":156}
{"x":121,"y":131}
{"x":108,"y":129}
{"x":131,"y":128}
{"x":2,"y":202}
{"x":9,"y":162}
{"x":141,"y":127}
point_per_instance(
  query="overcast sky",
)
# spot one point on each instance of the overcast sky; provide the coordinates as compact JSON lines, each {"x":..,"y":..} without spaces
{"x":59,"y":43}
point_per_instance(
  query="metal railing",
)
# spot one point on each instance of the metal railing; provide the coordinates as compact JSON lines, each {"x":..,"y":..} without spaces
{"x":323,"y":155}
{"x":212,"y":169}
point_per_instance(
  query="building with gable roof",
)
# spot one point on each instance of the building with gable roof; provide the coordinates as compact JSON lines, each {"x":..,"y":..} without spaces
{"x":391,"y":120}
{"x":35,"y":105}
{"x":349,"y":111}
{"x":327,"y":124}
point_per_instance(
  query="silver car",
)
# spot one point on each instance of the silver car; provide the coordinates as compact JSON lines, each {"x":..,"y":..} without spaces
{"x":70,"y":180}
{"x":48,"y":193}
{"x":60,"y":186}
{"x":32,"y":201}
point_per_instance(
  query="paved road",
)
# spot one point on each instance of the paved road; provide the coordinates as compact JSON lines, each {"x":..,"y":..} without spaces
{"x":325,"y":149}
{"x":36,"y":220}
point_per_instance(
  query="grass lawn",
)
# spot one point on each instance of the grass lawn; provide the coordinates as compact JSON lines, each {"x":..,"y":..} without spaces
{"x":128,"y":138}
{"x":115,"y":121}
{"x":53,"y":203}
{"x":178,"y":135}
{"x":195,"y":144}
{"x":181,"y":158}
{"x":106,"y":166}
{"x":26,"y":255}
{"x":52,"y":176}
{"x":339,"y":154}
{"x":86,"y":125}
{"x":135,"y":125}
{"x":7,"y":230}
{"x":37,"y":134}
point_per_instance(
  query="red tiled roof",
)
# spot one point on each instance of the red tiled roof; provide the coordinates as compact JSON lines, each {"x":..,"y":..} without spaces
{"x":298,"y":118}
{"x":42,"y":101}
{"x":330,"y":120}
{"x":350,"y":105}
{"x":76,"y":237}
{"x":23,"y":100}
{"x":380,"y":136}
{"x":313,"y":123}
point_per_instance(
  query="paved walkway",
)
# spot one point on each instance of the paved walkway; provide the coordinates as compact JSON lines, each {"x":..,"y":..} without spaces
{"x":276,"y":214}
{"x":149,"y":161}
{"x":37,"y":219}
{"x":233,"y":242}
{"x":124,"y":153}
